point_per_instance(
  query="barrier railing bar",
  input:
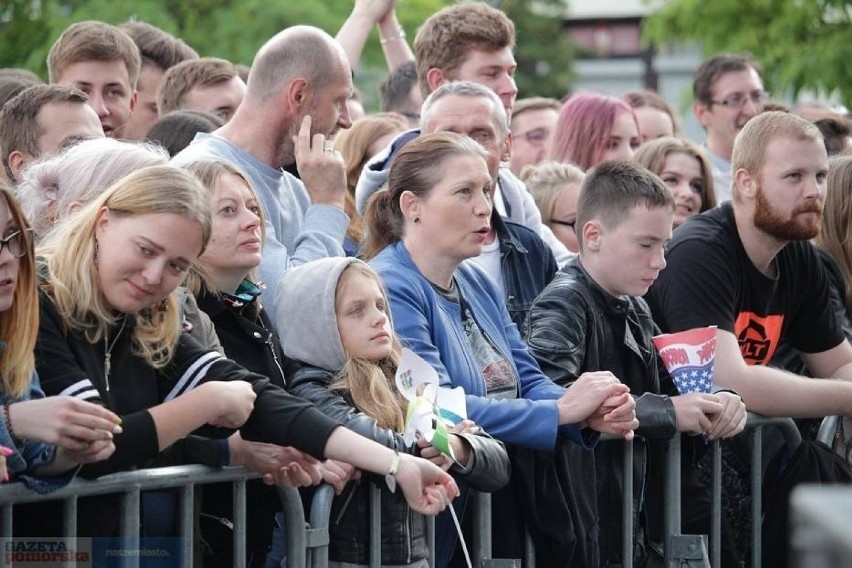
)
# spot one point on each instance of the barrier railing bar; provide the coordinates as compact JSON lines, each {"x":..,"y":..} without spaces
{"x":129,"y":485}
{"x":117,"y":483}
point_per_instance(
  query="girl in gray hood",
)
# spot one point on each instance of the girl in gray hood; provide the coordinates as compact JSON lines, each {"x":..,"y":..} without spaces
{"x":344,"y":339}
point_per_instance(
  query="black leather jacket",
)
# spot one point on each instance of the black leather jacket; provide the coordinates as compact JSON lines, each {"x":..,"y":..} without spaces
{"x":403,"y":531}
{"x":574,"y":326}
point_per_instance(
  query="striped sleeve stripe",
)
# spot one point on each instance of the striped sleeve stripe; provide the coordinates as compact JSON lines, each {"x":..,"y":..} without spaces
{"x":84,"y":390}
{"x":196,"y":372}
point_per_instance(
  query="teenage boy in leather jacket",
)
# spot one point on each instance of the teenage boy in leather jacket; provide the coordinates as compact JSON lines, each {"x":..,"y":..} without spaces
{"x":592,"y":317}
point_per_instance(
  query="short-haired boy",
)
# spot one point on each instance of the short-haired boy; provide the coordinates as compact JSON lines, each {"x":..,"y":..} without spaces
{"x":591,"y":317}
{"x":103,"y":62}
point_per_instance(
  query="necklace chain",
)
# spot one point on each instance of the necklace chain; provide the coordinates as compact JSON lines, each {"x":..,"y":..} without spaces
{"x":108,"y":351}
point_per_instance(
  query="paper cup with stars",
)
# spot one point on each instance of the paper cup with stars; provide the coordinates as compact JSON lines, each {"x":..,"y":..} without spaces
{"x":688,"y":356}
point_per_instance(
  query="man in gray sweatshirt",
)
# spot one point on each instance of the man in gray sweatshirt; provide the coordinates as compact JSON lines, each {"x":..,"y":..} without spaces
{"x":295,"y":100}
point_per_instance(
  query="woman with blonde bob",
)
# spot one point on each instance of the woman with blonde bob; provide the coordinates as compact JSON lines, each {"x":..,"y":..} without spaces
{"x":81,"y":431}
{"x":110,"y":333}
{"x":685,"y":170}
{"x":555,"y":186}
{"x":53,"y":188}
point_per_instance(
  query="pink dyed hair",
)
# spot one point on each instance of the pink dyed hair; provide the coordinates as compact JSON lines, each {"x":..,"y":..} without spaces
{"x":583,"y":126}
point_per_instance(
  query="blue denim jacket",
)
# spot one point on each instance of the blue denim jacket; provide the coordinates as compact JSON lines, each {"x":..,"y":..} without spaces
{"x":527,"y":265}
{"x":31,"y":454}
{"x":431,"y":326}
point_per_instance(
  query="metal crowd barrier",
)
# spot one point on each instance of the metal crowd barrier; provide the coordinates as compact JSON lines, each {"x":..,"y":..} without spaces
{"x":691,"y":550}
{"x":307,"y":542}
{"x":131,"y":484}
{"x":680,"y":550}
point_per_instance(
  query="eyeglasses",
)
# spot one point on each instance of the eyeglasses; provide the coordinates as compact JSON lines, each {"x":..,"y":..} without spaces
{"x":536,"y":136}
{"x":16,"y":243}
{"x":739,"y":100}
{"x":565,"y":223}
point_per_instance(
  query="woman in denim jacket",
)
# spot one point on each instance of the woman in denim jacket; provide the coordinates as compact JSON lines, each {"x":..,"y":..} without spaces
{"x":435,"y":215}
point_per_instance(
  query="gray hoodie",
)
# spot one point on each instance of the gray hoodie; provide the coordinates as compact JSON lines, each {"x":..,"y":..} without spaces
{"x":304,"y":313}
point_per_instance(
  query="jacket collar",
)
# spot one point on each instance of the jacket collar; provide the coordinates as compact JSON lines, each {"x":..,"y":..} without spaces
{"x":507,"y":239}
{"x":611,"y":305}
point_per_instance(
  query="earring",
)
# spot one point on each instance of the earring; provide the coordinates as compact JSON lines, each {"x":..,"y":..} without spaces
{"x":96,"y":251}
{"x":417,"y":219}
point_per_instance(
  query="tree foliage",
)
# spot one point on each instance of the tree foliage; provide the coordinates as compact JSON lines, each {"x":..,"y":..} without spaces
{"x":801,"y":44}
{"x":544,"y":51}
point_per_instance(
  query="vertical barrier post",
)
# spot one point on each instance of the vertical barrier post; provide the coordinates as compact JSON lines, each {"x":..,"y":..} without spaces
{"x":375,"y":526}
{"x":187,"y":523}
{"x":716,"y":506}
{"x":481,"y":525}
{"x":6,"y":520}
{"x":294,"y":524}
{"x":130,"y":524}
{"x":756,"y":495}
{"x":239,"y":523}
{"x":672,"y":503}
{"x":69,"y":527}
{"x":320,"y":522}
{"x":430,"y":539}
{"x":627,"y":507}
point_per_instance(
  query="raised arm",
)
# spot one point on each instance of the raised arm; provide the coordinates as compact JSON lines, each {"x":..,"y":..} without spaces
{"x":355,"y":31}
{"x":777,"y":393}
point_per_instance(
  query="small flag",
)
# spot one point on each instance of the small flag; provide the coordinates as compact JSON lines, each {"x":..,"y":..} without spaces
{"x":689,"y":356}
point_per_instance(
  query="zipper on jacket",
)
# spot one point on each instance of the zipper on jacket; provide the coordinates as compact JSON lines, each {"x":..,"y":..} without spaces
{"x":269,"y":338}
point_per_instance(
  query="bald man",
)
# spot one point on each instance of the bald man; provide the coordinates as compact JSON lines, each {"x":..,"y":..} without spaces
{"x":295,"y":100}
